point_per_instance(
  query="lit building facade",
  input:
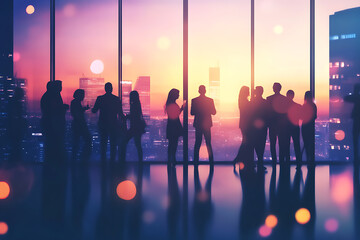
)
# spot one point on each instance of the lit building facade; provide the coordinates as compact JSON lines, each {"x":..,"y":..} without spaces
{"x":344,"y":74}
{"x":93,"y":87}
{"x":6,"y":66}
{"x":126,"y":89}
{"x":142,"y":85}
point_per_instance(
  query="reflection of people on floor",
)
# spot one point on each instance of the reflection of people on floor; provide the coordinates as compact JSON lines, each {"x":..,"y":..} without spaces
{"x":174,"y":128}
{"x":17,"y":125}
{"x":355,"y":115}
{"x":174,"y":201}
{"x":79,"y":126}
{"x":309,"y":111}
{"x":252,"y":213}
{"x":203,"y":208}
{"x":308,"y":202}
{"x":202,"y":108}
{"x":356,"y":189}
{"x":80,"y":191}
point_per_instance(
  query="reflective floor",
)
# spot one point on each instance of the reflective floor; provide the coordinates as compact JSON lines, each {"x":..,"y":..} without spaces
{"x":160,"y":202}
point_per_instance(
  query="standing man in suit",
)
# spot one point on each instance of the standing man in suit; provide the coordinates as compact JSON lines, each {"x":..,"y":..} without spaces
{"x":202,"y":108}
{"x":294,"y":115}
{"x":110,"y":108}
{"x":279,"y":105}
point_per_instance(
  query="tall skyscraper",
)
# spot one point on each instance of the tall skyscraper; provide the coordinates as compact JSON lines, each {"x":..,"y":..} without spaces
{"x":142,"y":85}
{"x":344,"y":74}
{"x":214,"y":85}
{"x":6,"y":65}
{"x":93,"y":87}
{"x":126,"y":89}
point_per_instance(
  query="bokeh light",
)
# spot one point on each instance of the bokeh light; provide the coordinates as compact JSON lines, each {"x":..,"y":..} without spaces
{"x":16,"y":56}
{"x":163,"y":43}
{"x":241,"y":165}
{"x":4,"y":190}
{"x":97,"y":66}
{"x":258,"y":123}
{"x":307,"y":114}
{"x":3,"y":228}
{"x":278,"y":29}
{"x":302,"y":216}
{"x":69,"y":10}
{"x":341,"y":188}
{"x":126,"y":190}
{"x":339,"y":135}
{"x":271,"y":221}
{"x":264,"y":231}
{"x":30,"y":9}
{"x":331,"y":225}
{"x":294,"y":114}
{"x":173,"y":111}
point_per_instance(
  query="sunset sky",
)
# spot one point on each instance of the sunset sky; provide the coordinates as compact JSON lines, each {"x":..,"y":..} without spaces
{"x":219,"y":35}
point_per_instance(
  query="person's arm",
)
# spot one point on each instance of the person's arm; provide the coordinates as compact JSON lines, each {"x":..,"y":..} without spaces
{"x":96,"y":105}
{"x":192,"y":111}
{"x":213,"y":110}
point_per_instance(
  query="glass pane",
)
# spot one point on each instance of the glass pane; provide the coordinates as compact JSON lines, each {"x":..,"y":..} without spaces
{"x":152,"y":65}
{"x":219,"y":58}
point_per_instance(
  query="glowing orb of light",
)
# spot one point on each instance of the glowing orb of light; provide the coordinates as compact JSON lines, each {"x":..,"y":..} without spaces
{"x":69,"y":10}
{"x":16,"y":56}
{"x":264,"y":231}
{"x":278,"y":29}
{"x":30,"y":9}
{"x":4,"y":190}
{"x":331,"y":225}
{"x":302,"y":216}
{"x":241,"y":166}
{"x":163,"y":43}
{"x":97,"y":66}
{"x":126,"y":190}
{"x":339,"y":135}
{"x":3,"y":228}
{"x":342,"y":188}
{"x":127,"y":59}
{"x":271,"y":221}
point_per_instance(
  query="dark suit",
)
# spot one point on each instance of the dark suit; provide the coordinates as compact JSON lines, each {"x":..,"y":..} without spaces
{"x":202,"y":108}
{"x":294,"y":130}
{"x":279,"y":105}
{"x":110,"y":107}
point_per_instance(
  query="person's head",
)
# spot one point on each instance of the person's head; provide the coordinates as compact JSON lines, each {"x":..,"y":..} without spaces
{"x":202,"y":90}
{"x":79,"y":94}
{"x":19,"y":93}
{"x":50,"y":86}
{"x":277,"y":87}
{"x":357,"y":88}
{"x":290,"y":94}
{"x":58,"y":86}
{"x":244,"y":92}
{"x":172,"y":96}
{"x":308,"y":97}
{"x":135,"y":106}
{"x":259,"y":90}
{"x":108,"y":87}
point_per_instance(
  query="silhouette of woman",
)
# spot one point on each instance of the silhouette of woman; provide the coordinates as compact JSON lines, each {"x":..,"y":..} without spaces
{"x":309,"y":111}
{"x":16,"y":123}
{"x":173,"y":128}
{"x":246,"y":150}
{"x":137,"y":123}
{"x":79,"y":125}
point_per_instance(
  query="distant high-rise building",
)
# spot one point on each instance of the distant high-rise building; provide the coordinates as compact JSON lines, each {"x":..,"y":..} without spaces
{"x":126,"y":89}
{"x":142,"y":85}
{"x":22,"y":83}
{"x":214,"y":85}
{"x":344,"y":74}
{"x":6,"y":65}
{"x":93,"y":87}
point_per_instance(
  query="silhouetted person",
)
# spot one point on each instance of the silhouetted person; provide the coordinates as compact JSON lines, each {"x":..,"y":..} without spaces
{"x":110,"y":108}
{"x":259,"y":124}
{"x":246,"y":150}
{"x":137,"y":123}
{"x":53,"y":121}
{"x":174,"y":128}
{"x":309,"y":111}
{"x":203,"y":207}
{"x":294,"y":113}
{"x":16,"y":123}
{"x":202,"y":108}
{"x":355,"y":115}
{"x":308,"y":202}
{"x":277,"y":118}
{"x":79,"y":125}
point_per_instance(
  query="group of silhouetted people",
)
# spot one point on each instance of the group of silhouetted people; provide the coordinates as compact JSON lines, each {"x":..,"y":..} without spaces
{"x":282,"y":116}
